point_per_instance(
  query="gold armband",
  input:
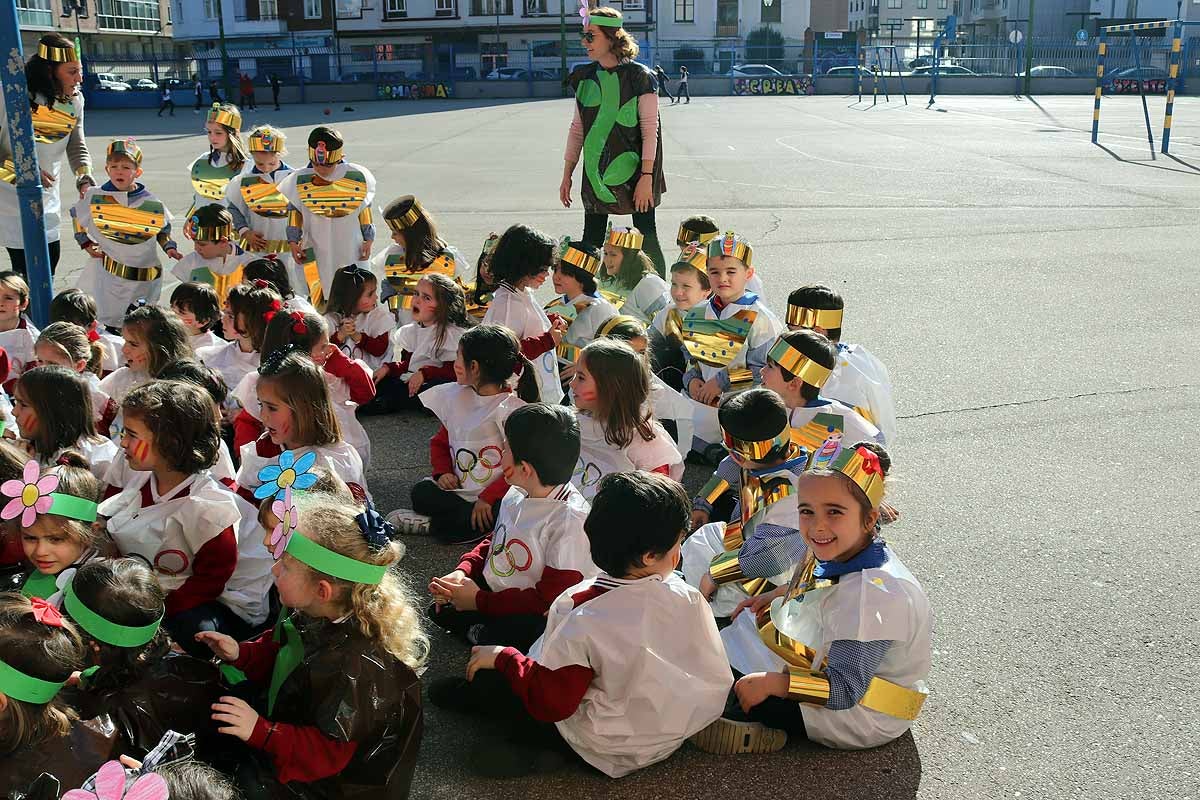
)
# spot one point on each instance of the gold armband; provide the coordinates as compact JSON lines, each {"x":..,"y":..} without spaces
{"x":714,"y":489}
{"x":295,"y":218}
{"x":732,"y":539}
{"x":364,"y":216}
{"x":725,"y":568}
{"x":807,"y":687}
{"x":740,"y":379}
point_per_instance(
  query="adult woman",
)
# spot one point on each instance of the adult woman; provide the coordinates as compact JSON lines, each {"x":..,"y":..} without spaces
{"x":616,"y":130}
{"x":53,"y":76}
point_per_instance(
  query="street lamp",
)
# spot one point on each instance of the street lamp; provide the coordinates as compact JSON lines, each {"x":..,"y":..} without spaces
{"x":78,"y":10}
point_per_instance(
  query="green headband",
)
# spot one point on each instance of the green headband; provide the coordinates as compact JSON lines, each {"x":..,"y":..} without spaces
{"x":106,"y":630}
{"x":28,"y":689}
{"x":605,"y":22}
{"x":325,"y":560}
{"x":68,"y":505}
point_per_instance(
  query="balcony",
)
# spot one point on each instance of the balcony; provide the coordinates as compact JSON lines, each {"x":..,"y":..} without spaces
{"x":727,"y":31}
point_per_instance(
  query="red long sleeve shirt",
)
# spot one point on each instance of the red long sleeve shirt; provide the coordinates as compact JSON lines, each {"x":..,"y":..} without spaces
{"x":534,"y":346}
{"x":362,"y":388}
{"x":245,"y":429}
{"x":533,"y":600}
{"x":299,"y":752}
{"x":441,"y":372}
{"x":374,"y":345}
{"x":441,"y":460}
{"x":549,"y":695}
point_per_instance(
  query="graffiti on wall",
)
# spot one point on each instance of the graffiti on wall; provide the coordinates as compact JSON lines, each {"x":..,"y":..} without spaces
{"x":784,"y":84}
{"x":1130,"y":86}
{"x":414,"y":90}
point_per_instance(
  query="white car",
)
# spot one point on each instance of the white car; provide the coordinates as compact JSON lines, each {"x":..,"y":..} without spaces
{"x":754,"y":71}
{"x":110,"y":82}
{"x":144,"y":85}
{"x":508,"y":74}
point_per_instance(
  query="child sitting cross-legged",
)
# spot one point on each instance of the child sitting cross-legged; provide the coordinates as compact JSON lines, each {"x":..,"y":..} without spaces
{"x":630,"y":664}
{"x":502,"y":589}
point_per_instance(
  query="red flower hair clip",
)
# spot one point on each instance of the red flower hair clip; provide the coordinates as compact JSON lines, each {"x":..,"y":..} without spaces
{"x":93,"y":335}
{"x":298,"y":324}
{"x":275,"y":306}
{"x":259,"y":283}
{"x":45,"y":613}
{"x":870,"y":461}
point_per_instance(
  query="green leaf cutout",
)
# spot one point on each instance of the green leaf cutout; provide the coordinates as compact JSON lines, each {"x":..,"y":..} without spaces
{"x":622,"y":168}
{"x":588,"y":93}
{"x":628,"y":115}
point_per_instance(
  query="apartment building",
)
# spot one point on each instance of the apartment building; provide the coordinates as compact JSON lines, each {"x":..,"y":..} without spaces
{"x":114,"y":29}
{"x":901,"y":18}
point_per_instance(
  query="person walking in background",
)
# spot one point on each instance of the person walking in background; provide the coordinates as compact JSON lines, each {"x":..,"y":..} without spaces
{"x":683,"y":86}
{"x":199,"y":87}
{"x":275,"y":85}
{"x":214,"y":94}
{"x":166,"y":101}
{"x":663,"y":89}
{"x":247,"y":91}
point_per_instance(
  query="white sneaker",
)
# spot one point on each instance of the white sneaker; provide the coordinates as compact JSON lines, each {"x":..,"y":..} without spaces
{"x":410,"y":523}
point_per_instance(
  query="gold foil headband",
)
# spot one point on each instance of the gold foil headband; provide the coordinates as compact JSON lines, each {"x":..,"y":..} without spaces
{"x":581,"y":260}
{"x":127,"y":148}
{"x":408,"y":219}
{"x":798,"y":364}
{"x":625,"y":238}
{"x":609,"y":324}
{"x":732,"y":246}
{"x":827,"y":318}
{"x":229,"y":117}
{"x":755,"y":451}
{"x":210,"y":233}
{"x":266,"y":140}
{"x":58,"y":55}
{"x":862,"y":466}
{"x":688,"y":235}
{"x":322,"y":155}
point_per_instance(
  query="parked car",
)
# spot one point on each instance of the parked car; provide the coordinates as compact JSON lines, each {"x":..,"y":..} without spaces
{"x":847,"y":72}
{"x":144,"y":85}
{"x":1146,"y":73}
{"x":753,"y":71}
{"x":944,"y":70}
{"x":1048,"y":71}
{"x":176,"y":83}
{"x":508,"y":74}
{"x":110,"y":82}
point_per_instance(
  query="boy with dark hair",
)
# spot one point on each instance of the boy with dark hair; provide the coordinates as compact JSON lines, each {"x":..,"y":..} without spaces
{"x":198,"y":308}
{"x":79,"y":307}
{"x":215,"y":259}
{"x":631,"y":663}
{"x":501,"y":590}
{"x":730,"y":561}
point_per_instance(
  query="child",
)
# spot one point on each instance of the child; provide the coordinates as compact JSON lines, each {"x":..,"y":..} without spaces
{"x":689,"y":288}
{"x":216,"y":260}
{"x":226,"y":157}
{"x":176,"y":517}
{"x":426,"y":346}
{"x":299,"y":421}
{"x":519,"y":264}
{"x":695,"y":233}
{"x":580,"y":302}
{"x":199,"y":309}
{"x":274,"y":271}
{"x":480,"y":293}
{"x":501,"y":590}
{"x":120,"y":225}
{"x":798,"y":365}
{"x":153,"y":338}
{"x":249,"y":309}
{"x":726,"y":338}
{"x":843,"y":650}
{"x":416,"y":251}
{"x":859,"y":380}
{"x":39,"y":733}
{"x":342,"y":715}
{"x":349,"y":381}
{"x":78,"y":307}
{"x":631,"y":663}
{"x":329,"y":211}
{"x":134,"y":679}
{"x":53,"y":407}
{"x":60,"y":538}
{"x":464,"y":493}
{"x":259,"y":210}
{"x":630,"y":282}
{"x":612,"y":389}
{"x":17,"y":333}
{"x":358,"y":324}
{"x":65,"y":344}
{"x":727,"y":561}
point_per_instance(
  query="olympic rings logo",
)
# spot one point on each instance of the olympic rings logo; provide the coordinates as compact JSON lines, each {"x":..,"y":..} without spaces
{"x":587,"y":473}
{"x":502,"y":549}
{"x":469,"y":463}
{"x":549,"y":360}
{"x":171,"y":562}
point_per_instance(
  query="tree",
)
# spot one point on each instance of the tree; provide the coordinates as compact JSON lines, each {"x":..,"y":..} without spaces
{"x":765,"y":46}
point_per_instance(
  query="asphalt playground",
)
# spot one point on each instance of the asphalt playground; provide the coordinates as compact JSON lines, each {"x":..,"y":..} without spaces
{"x":1034,"y":297}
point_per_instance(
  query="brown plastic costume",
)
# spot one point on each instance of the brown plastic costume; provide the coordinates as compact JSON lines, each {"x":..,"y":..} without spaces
{"x":71,"y":758}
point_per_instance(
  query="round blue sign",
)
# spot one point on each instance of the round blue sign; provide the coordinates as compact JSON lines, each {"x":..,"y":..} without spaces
{"x":1081,"y":35}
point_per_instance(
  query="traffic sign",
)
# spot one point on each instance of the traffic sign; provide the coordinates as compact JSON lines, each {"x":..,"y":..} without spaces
{"x":1016,"y":37}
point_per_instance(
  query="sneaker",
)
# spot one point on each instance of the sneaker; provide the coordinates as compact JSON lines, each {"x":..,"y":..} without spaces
{"x":410,"y":523}
{"x":727,"y":737}
{"x":475,"y":633}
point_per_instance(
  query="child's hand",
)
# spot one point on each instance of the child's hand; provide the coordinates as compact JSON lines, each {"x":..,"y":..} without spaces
{"x":380,"y":373}
{"x":347,"y":329}
{"x":297,"y":252}
{"x":888,"y":513}
{"x":708,"y":587}
{"x":415,"y":383}
{"x":364,"y":251}
{"x":482,"y":516}
{"x":557,"y":323}
{"x":238,"y":716}
{"x":566,"y":373}
{"x":255,"y":241}
{"x":175,"y":254}
{"x":448,"y":482}
{"x":223,"y":646}
{"x":460,"y":593}
{"x":708,"y":392}
{"x":93,"y":250}
{"x":755,"y":604}
{"x":699,"y":518}
{"x":482,"y":658}
{"x":437,"y":585}
{"x":753,"y":689}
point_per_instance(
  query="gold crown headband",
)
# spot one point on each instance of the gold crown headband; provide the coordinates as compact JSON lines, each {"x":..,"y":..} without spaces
{"x":731,"y":246}
{"x":862,"y":466}
{"x":802,"y":317}
{"x":581,"y":260}
{"x":625,"y":238}
{"x":688,"y":235}
{"x":695,"y":255}
{"x":407,"y":219}
{"x":321,"y":154}
{"x":798,"y":364}
{"x":210,"y":233}
{"x":755,"y":451}
{"x":229,"y":117}
{"x":266,"y":140}
{"x":609,"y":324}
{"x":58,"y":55}
{"x":127,"y":148}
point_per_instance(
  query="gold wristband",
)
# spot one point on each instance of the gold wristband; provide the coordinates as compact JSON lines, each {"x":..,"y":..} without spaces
{"x":740,"y":379}
{"x":364,"y":216}
{"x":807,"y":687}
{"x":295,"y":219}
{"x":714,"y":489}
{"x":725,"y":568}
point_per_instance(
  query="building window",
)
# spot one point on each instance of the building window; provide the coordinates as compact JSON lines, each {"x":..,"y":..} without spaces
{"x":485,"y":8}
{"x":35,"y":12}
{"x":685,"y":10}
{"x":895,"y":3}
{"x":210,"y":8}
{"x":493,"y":55}
{"x":313,"y":9}
{"x":770,"y":10}
{"x":922,"y":3}
{"x":537,"y":8}
{"x":943,"y":4}
{"x":446,"y":8}
{"x":268,"y":9}
{"x":395,"y":9}
{"x":128,"y":15}
{"x":633,"y":5}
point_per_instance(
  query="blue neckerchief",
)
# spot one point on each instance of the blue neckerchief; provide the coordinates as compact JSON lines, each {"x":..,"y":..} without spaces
{"x":820,"y":401}
{"x":747,"y":299}
{"x":872,"y":556}
{"x":134,"y":192}
{"x":842,"y":347}
{"x":790,"y":464}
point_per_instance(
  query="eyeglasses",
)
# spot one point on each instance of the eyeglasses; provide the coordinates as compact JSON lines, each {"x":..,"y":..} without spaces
{"x":588,"y":37}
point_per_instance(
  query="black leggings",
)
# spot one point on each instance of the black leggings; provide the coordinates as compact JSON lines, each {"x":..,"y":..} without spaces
{"x":17,"y":257}
{"x":595,"y":227}
{"x":508,"y":630}
{"x":774,"y":712}
{"x":450,"y":512}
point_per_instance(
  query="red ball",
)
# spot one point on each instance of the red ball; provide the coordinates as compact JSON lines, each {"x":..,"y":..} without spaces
{"x":327,"y":112}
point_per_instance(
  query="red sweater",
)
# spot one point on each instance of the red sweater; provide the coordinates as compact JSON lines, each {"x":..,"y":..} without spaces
{"x":533,"y":600}
{"x":362,"y":388}
{"x":373,"y":345}
{"x":299,"y":752}
{"x":534,"y":346}
{"x":442,"y":373}
{"x":442,"y":461}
